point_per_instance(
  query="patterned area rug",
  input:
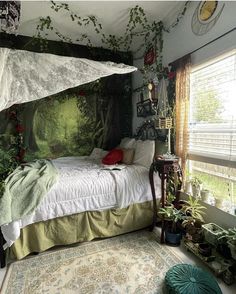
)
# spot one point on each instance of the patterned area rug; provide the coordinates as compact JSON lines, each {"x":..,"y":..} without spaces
{"x":132,"y":263}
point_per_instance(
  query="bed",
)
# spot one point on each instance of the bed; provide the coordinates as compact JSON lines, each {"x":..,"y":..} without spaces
{"x":87,"y":202}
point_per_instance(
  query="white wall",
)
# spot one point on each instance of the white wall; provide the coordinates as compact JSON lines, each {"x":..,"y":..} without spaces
{"x":181,"y":40}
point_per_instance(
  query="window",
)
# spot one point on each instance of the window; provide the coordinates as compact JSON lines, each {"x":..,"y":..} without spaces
{"x":212,"y":127}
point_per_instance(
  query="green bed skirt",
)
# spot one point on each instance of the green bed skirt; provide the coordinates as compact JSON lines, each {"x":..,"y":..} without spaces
{"x":81,"y":227}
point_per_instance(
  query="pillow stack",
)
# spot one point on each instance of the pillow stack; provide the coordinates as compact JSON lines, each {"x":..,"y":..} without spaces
{"x":128,"y":152}
{"x":127,"y":145}
{"x":144,"y":152}
{"x":138,"y":151}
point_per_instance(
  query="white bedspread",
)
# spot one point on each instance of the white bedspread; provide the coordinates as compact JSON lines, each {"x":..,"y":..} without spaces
{"x":84,"y":186}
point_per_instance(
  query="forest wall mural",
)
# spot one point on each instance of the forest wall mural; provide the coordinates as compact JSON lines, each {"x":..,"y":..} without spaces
{"x":71,"y":122}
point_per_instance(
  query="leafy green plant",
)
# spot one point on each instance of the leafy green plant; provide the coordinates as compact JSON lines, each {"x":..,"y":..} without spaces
{"x":173,"y":215}
{"x":170,"y":198}
{"x":193,"y":210}
{"x":195,"y":181}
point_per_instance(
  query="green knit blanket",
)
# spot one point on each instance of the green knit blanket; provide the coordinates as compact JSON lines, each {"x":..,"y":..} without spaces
{"x":25,"y":188}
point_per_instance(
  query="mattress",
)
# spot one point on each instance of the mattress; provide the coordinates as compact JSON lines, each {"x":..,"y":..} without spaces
{"x":83,"y":185}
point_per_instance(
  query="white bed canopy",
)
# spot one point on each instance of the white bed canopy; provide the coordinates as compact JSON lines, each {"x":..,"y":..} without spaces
{"x":26,"y":76}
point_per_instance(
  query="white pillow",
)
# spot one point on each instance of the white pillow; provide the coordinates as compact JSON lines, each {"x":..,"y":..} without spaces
{"x":144,"y":152}
{"x":128,"y":143}
{"x":98,"y":153}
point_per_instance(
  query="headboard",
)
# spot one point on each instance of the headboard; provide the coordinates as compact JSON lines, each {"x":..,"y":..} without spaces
{"x":148,"y":131}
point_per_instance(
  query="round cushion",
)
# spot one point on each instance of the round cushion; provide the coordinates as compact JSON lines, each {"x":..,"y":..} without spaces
{"x":186,"y":279}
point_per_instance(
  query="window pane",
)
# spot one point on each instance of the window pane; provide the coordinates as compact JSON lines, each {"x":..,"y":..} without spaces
{"x":220,"y":180}
{"x":212,"y":110}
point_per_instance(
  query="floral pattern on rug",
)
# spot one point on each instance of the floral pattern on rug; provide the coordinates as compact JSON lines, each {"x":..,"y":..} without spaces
{"x":132,"y":263}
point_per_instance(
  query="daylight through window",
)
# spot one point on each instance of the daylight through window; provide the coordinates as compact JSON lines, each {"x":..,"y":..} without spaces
{"x":212,"y":126}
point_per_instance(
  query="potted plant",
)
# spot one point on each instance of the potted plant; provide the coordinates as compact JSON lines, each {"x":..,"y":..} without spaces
{"x":193,"y":221}
{"x":232,"y":241}
{"x":172,"y":217}
{"x":206,"y":195}
{"x":196,"y":187}
{"x":212,"y":232}
{"x":222,"y":244}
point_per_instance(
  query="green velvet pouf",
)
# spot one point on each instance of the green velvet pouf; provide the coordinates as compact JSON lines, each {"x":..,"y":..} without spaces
{"x":186,"y":279}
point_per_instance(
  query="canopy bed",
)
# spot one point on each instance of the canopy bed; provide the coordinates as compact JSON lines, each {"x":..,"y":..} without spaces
{"x":85,"y":202}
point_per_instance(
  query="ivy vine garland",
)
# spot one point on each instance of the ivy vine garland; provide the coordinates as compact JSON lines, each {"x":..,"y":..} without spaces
{"x":150,"y":32}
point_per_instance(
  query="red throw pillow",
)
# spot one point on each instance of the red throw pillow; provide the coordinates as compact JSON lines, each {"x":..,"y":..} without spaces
{"x":113,"y":157}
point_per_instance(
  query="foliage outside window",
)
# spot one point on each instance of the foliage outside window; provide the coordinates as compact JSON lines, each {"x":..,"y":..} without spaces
{"x":212,"y":129}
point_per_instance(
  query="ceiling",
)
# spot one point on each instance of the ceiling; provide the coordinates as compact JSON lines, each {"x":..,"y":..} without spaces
{"x":113,"y":15}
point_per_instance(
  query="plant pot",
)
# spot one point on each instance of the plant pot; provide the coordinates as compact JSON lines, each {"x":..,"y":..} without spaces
{"x":224,"y":250}
{"x":206,"y":196}
{"x":188,"y":187}
{"x":229,"y":276}
{"x":195,"y":232}
{"x":232,"y":247}
{"x":219,"y":203}
{"x":196,"y":191}
{"x":198,"y":236}
{"x":212,"y":233}
{"x":204,"y":249}
{"x":173,"y":238}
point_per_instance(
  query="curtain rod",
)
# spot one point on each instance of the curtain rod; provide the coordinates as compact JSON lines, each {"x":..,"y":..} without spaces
{"x":195,"y":50}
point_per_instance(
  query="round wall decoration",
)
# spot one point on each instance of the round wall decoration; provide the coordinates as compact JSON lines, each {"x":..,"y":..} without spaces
{"x":205,"y":16}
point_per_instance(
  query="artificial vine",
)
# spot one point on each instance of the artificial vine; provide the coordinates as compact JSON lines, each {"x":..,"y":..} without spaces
{"x":12,"y":149}
{"x":150,"y":32}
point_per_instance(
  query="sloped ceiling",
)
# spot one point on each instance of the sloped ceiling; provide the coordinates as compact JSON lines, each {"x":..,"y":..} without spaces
{"x":113,"y":15}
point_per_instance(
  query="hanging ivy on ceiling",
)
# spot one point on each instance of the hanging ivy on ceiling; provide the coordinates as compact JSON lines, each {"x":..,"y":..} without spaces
{"x":150,"y":33}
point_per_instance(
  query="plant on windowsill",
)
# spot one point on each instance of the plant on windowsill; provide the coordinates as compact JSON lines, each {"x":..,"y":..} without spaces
{"x":193,"y":221}
{"x":196,"y":184}
{"x":173,"y":217}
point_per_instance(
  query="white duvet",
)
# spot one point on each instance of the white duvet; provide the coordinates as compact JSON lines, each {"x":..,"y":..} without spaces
{"x":83,"y":185}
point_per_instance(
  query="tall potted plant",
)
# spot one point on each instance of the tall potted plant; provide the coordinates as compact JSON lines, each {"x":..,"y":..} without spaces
{"x":193,"y":221}
{"x":172,"y":216}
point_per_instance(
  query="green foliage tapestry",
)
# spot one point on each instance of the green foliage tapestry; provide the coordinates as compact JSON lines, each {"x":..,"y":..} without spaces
{"x":73,"y":122}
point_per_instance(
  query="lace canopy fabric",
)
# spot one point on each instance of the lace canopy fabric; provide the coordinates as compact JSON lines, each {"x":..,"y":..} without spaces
{"x":10,"y":16}
{"x":26,"y":76}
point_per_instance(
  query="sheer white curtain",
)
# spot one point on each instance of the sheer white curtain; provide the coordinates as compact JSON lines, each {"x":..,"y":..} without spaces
{"x":27,"y":76}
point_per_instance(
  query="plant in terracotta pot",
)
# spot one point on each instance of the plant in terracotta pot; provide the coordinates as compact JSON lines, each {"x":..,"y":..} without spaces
{"x":172,"y":217}
{"x":193,"y":221}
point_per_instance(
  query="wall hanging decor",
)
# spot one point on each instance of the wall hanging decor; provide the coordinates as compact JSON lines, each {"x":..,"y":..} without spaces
{"x":205,"y":16}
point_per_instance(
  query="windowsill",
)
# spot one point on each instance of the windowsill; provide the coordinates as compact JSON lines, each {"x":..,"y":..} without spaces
{"x":215,"y":215}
